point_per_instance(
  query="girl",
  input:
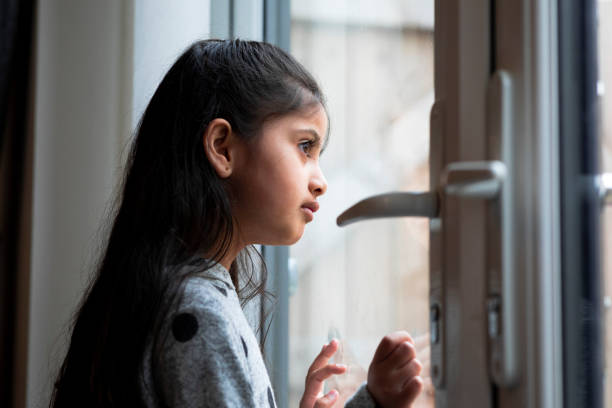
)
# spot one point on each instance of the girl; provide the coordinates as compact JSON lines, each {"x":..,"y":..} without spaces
{"x":226,"y":156}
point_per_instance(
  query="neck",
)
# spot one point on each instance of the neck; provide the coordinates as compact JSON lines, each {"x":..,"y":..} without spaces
{"x":229,"y":258}
{"x":238,"y":243}
{"x":230,"y":255}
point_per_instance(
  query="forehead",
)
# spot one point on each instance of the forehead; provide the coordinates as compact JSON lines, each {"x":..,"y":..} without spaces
{"x":312,"y":119}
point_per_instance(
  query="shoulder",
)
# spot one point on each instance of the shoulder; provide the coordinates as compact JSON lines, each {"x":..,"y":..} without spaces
{"x":199,"y":336}
{"x":201,"y":361}
{"x":205,"y":308}
{"x":202,"y":291}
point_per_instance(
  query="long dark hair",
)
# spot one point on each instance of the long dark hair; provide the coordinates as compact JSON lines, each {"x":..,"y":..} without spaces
{"x":172,"y":209}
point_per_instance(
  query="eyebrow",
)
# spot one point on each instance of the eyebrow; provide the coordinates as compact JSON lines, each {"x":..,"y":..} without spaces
{"x":316,"y":136}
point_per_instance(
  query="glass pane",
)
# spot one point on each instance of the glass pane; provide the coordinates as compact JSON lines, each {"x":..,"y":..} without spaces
{"x":605,"y":81}
{"x":374,"y":61}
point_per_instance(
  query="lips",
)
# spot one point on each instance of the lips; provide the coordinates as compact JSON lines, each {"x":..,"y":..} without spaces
{"x":313,"y":206}
{"x":309,"y":209}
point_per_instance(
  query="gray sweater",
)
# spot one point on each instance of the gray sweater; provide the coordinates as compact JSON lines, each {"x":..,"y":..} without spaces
{"x":209,"y":354}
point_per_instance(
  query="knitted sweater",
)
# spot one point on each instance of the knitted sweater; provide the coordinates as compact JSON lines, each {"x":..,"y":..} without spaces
{"x":209,"y":354}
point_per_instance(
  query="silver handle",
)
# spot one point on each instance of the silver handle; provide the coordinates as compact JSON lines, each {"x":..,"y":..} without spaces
{"x":396,"y":204}
{"x":501,"y":274}
{"x":465,"y":179}
{"x":604,"y":182}
{"x":490,"y":180}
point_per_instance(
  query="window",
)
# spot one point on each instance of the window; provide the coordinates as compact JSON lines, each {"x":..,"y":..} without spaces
{"x":374,"y":61}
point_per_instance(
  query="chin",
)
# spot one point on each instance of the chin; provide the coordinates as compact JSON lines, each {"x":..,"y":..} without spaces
{"x":296,"y":239}
{"x":290,"y":240}
{"x":298,"y":235}
{"x":289,"y":237}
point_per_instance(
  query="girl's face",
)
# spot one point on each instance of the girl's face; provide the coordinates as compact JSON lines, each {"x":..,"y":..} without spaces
{"x":277,"y":184}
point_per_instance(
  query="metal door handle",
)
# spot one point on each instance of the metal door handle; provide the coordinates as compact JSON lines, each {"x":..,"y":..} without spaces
{"x":465,"y":179}
{"x":395,"y":204}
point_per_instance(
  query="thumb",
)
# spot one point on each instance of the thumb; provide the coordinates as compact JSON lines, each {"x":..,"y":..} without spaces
{"x":328,"y":400}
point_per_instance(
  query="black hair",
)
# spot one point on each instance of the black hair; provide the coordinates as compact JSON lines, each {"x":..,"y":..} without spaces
{"x":172,"y":209}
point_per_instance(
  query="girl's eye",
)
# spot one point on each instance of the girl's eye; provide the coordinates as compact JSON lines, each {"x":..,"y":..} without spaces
{"x":306,"y":146}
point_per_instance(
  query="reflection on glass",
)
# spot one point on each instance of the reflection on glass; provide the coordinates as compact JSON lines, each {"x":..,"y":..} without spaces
{"x":605,"y":80}
{"x":374,"y":60}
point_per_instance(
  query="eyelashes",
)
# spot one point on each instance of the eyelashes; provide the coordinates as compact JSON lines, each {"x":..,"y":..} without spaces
{"x":306,"y":146}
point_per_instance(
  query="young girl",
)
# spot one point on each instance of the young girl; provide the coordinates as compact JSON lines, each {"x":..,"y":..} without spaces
{"x":226,"y":156}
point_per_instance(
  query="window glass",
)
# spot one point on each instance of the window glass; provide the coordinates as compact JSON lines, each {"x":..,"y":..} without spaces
{"x":604,"y":88}
{"x":374,"y":61}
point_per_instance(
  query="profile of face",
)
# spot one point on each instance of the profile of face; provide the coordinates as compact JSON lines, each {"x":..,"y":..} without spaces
{"x":275,"y":179}
{"x":277,"y":185}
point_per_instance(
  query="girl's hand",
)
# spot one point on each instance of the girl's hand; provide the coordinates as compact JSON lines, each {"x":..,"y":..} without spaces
{"x":318,"y":372}
{"x":393,"y":376}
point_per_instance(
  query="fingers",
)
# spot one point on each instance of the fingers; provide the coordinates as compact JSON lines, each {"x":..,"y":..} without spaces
{"x":410,"y":370}
{"x":314,"y":380}
{"x":314,"y":383}
{"x":412,"y":389}
{"x":398,"y":378}
{"x":393,"y":376}
{"x":318,"y":372}
{"x":388,"y":344}
{"x":328,"y":400}
{"x":324,"y":373}
{"x":400,"y":356}
{"x":326,"y":353}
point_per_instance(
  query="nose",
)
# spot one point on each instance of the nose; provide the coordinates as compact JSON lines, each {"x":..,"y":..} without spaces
{"x":317,"y":184}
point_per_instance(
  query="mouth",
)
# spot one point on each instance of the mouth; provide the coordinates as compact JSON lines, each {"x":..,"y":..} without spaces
{"x":313,"y":206}
{"x":309,"y":209}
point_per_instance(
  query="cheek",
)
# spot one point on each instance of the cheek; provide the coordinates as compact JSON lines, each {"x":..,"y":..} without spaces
{"x":283,"y":181}
{"x":261,"y":195}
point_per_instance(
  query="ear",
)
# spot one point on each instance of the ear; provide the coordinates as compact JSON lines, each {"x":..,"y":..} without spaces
{"x":220,"y":145}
